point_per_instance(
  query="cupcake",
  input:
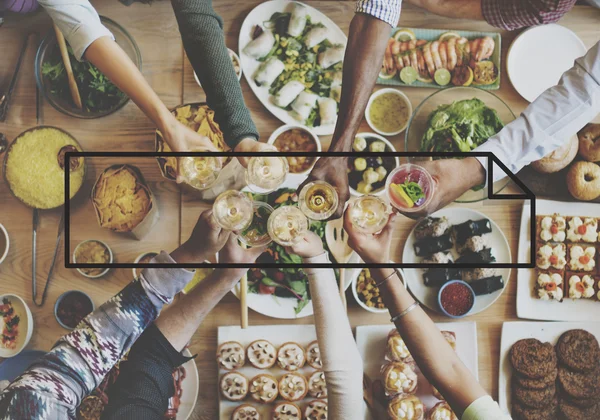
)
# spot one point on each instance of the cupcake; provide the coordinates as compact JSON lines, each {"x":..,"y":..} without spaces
{"x":261,"y":354}
{"x":316,"y":384}
{"x":263,"y":388}
{"x":405,"y":407}
{"x":293,"y":387}
{"x":441,"y":411}
{"x":396,"y":348}
{"x":286,"y":411}
{"x":234,"y":386}
{"x":316,"y":410}
{"x":245,"y":412}
{"x":399,"y":378}
{"x":313,"y":355}
{"x":231,"y":355}
{"x":291,"y":356}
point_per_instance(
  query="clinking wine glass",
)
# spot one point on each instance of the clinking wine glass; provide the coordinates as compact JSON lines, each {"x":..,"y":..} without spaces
{"x":266,"y":173}
{"x":287,"y":225}
{"x":369,"y":214}
{"x":318,"y":200}
{"x":200,"y":171}
{"x":233,"y":210}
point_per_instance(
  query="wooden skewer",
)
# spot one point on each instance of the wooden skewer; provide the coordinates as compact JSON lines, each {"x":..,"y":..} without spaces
{"x":243,"y":301}
{"x":62,"y":45}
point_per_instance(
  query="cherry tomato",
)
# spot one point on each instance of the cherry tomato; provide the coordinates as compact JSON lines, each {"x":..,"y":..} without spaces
{"x":266,"y":290}
{"x":279,"y":276}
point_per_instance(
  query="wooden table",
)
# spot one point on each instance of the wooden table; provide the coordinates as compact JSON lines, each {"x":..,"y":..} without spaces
{"x":170,"y":74}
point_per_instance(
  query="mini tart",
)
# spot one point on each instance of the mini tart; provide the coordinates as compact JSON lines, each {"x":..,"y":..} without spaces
{"x":399,"y":378}
{"x":263,"y":388}
{"x":551,"y":228}
{"x":405,"y":407}
{"x":234,"y":386}
{"x":551,"y":256}
{"x":261,"y":354}
{"x":549,"y":285}
{"x":582,"y":257}
{"x":313,"y":355}
{"x":581,"y":286}
{"x":582,"y":229}
{"x":317,"y":387}
{"x":316,"y":410}
{"x":396,"y":348}
{"x":293,"y":386}
{"x":441,"y":411}
{"x":245,"y":412}
{"x":231,"y":355}
{"x":291,"y":356}
{"x":286,"y":411}
{"x":450,"y":337}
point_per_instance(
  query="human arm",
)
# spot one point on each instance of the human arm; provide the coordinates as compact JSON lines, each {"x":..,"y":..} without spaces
{"x":549,"y":121}
{"x":457,"y":9}
{"x":342,"y":363}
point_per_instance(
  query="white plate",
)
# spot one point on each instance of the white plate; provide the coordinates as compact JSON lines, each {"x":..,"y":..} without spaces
{"x":428,"y":296}
{"x":189,"y":388}
{"x":543,"y":331}
{"x":539,"y":56}
{"x":528,"y":306}
{"x":277,"y":335}
{"x":371,"y":341}
{"x":277,"y":307}
{"x":257,"y":16}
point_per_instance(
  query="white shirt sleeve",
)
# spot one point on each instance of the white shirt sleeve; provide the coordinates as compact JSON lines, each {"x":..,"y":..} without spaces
{"x":385,"y":10}
{"x":342,"y":363}
{"x":484,"y":408}
{"x":78,"y":21}
{"x":551,"y":120}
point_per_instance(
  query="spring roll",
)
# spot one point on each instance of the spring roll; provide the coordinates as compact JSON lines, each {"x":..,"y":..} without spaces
{"x":268,"y":71}
{"x":315,"y":36}
{"x":337,"y":78}
{"x":335,"y":93}
{"x":297,"y":20}
{"x":260,"y":46}
{"x":288,"y":93}
{"x":331,"y":56}
{"x":304,"y":104}
{"x":327,"y":111}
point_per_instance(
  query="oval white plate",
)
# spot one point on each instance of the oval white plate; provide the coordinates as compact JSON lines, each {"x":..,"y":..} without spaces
{"x":539,"y":56}
{"x":428,"y":295}
{"x":278,"y":307}
{"x":189,"y":388}
{"x":257,"y":16}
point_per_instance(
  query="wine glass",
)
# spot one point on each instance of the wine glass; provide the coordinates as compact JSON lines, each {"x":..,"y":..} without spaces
{"x":410,"y":187}
{"x":287,"y":225}
{"x":257,"y":234}
{"x":266,"y":173}
{"x":369,"y":214}
{"x":233,"y":210}
{"x":200,"y":171}
{"x":318,"y":200}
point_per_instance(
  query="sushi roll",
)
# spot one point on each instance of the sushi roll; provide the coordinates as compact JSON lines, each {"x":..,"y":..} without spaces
{"x":304,"y":104}
{"x":432,"y":227}
{"x":327,"y":111}
{"x":473,"y":244}
{"x":439,"y":258}
{"x":269,"y":71}
{"x":437,"y":277}
{"x":483,"y":256}
{"x":288,"y":93}
{"x":315,"y":36}
{"x":470,"y":228}
{"x":487,"y":285}
{"x":331,"y":56}
{"x":477,"y":274}
{"x":260,"y":46}
{"x":297,"y":20}
{"x":429,"y":246}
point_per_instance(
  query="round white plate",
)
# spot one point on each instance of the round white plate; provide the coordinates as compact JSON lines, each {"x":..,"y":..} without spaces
{"x":428,"y":295}
{"x":189,"y":388}
{"x":539,"y":56}
{"x":257,"y":16}
{"x":278,"y":307}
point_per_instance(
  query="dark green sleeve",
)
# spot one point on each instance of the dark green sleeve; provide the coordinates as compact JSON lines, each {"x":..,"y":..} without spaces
{"x":202,"y":34}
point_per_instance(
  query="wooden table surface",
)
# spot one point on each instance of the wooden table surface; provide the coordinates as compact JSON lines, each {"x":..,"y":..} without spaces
{"x":170,"y":74}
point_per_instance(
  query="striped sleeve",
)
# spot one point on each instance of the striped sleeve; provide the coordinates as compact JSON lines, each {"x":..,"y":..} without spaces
{"x":385,"y":10}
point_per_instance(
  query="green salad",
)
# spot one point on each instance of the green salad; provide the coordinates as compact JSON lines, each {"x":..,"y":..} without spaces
{"x":283,"y":282}
{"x":460,"y":126}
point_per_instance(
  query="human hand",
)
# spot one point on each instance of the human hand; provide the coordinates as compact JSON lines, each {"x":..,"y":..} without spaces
{"x":310,"y":245}
{"x":206,"y":240}
{"x":452,"y":178}
{"x":252,"y":145}
{"x":372,"y":248}
{"x":234,"y":253}
{"x":333,"y":170}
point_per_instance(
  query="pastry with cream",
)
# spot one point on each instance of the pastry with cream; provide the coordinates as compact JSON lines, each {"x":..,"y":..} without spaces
{"x":317,"y":387}
{"x":581,"y":286}
{"x":316,"y":410}
{"x":291,"y":356}
{"x":231,"y":355}
{"x":551,"y":228}
{"x":313,"y":355}
{"x":399,"y":378}
{"x":245,"y":412}
{"x":406,"y":407}
{"x":234,"y":386}
{"x":551,"y":256}
{"x":549,"y":285}
{"x":293,"y":386}
{"x":264,"y":388}
{"x":582,"y":257}
{"x":441,"y":411}
{"x":582,"y":229}
{"x":396,"y":348}
{"x":261,"y":354}
{"x":286,"y":411}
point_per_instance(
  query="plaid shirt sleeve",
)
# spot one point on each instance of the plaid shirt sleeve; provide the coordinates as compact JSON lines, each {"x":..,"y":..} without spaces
{"x":515,"y":14}
{"x":386,"y":10}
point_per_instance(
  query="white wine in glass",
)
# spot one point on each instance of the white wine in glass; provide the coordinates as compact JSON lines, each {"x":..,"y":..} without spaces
{"x":257,"y":233}
{"x":369,"y":214}
{"x":200,"y":171}
{"x":233,"y":210}
{"x":318,"y":200}
{"x":287,"y":225}
{"x":266,"y":173}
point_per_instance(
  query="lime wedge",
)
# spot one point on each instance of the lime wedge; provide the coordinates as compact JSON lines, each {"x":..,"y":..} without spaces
{"x":404,"y":35}
{"x":442,"y":77}
{"x":447,"y":35}
{"x":408,"y":75}
{"x":423,"y":78}
{"x":383,"y":74}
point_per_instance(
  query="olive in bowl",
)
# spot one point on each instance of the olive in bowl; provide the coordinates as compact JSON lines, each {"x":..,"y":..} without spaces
{"x":367,"y":174}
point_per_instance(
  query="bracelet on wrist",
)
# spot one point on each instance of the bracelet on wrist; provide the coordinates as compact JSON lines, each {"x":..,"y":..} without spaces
{"x":405,"y":312}
{"x":378,"y":284}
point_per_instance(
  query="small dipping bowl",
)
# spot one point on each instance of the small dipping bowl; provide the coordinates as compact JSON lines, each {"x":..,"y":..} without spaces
{"x":96,"y":276}
{"x":445,"y":291}
{"x":4,"y":243}
{"x":414,"y":173}
{"x":390,"y":91}
{"x":74,"y":304}
{"x":25,"y":325}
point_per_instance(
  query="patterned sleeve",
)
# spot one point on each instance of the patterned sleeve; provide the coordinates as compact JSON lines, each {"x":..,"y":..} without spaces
{"x":386,"y":10}
{"x":515,"y":14}
{"x":54,"y":385}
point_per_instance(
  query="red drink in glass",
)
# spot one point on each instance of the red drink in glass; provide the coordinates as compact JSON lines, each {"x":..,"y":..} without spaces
{"x":409,"y":173}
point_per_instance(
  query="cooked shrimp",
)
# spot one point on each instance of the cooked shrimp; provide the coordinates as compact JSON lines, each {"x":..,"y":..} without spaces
{"x":406,"y":58}
{"x":399,"y":62}
{"x":395,"y":47}
{"x":435,"y":54}
{"x":429,"y":58}
{"x":414,"y":61}
{"x":485,"y":50}
{"x":388,"y":59}
{"x":443,"y":54}
{"x":421,"y":42}
{"x":452,"y":56}
{"x":422,"y":66}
